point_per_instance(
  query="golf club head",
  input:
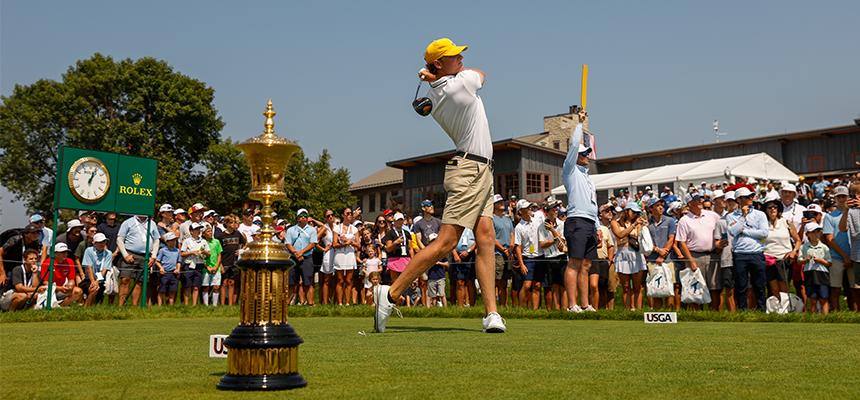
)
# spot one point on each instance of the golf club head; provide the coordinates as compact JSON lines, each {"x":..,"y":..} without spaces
{"x":422,"y":106}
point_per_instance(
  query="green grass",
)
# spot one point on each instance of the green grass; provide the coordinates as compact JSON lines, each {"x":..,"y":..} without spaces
{"x":103,"y":312}
{"x":441,"y":358}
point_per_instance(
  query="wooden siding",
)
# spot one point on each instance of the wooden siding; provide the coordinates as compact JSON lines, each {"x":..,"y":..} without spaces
{"x":794,"y":154}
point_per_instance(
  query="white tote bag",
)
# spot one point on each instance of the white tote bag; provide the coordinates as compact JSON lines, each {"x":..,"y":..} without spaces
{"x":42,"y":299}
{"x":660,"y":281}
{"x":694,"y":289}
{"x":646,"y":245}
{"x":111,"y":284}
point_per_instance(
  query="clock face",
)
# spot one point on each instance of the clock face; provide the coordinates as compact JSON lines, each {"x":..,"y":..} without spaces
{"x":89,"y":179}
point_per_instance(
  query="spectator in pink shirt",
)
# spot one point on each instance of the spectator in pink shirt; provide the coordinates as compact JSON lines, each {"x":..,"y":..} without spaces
{"x":695,"y":238}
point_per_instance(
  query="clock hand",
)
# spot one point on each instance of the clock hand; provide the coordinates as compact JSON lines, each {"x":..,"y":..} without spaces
{"x":90,"y":182}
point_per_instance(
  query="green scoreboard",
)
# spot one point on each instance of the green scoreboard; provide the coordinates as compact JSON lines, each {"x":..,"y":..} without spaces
{"x":107,"y":182}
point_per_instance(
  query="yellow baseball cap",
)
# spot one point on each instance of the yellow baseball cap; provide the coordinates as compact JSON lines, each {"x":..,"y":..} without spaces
{"x":441,"y":48}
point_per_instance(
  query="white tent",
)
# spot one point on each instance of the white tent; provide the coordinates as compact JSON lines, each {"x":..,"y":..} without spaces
{"x":759,"y":166}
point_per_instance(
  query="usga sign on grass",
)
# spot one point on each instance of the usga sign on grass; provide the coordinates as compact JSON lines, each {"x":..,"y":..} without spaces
{"x":216,"y":346}
{"x":661,"y":318}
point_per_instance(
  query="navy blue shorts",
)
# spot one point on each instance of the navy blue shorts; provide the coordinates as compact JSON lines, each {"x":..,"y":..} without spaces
{"x":818,"y":291}
{"x":192,"y":277}
{"x":168,"y":282}
{"x":581,"y":236}
{"x":537,"y":271}
{"x":303,"y":270}
{"x":466,"y":270}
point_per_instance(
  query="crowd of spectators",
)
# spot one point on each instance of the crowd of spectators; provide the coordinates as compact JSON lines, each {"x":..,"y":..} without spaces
{"x":751,"y":240}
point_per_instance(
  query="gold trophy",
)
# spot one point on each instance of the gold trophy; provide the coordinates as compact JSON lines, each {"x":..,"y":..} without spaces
{"x":263,"y":348}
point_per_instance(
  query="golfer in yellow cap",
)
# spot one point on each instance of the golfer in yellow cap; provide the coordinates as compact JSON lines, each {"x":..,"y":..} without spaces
{"x":459,"y":110}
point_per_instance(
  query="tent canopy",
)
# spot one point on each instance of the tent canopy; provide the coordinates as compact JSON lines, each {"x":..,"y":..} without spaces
{"x":759,"y":166}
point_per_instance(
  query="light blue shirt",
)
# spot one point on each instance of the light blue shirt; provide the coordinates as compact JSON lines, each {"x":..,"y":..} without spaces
{"x":581,"y":194}
{"x":467,"y":239}
{"x":748,"y":233}
{"x":134,"y":232}
{"x":98,"y":261}
{"x":300,"y":238}
{"x":168,"y":258}
{"x":830,"y":226}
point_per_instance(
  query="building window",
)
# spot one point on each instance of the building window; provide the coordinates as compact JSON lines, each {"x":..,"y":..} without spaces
{"x":372,"y":202}
{"x":417,"y":198}
{"x":547,"y":187}
{"x":556,"y":144}
{"x":382,"y":201}
{"x":534,"y":183}
{"x":358,"y":203}
{"x":816,"y":164}
{"x":508,"y":185}
{"x":855,"y":159}
{"x":439,"y":196}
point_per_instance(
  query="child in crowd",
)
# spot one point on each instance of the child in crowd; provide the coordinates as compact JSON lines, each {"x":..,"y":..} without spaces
{"x":412,"y":296}
{"x":194,"y":250}
{"x":815,"y":257}
{"x":212,"y":274}
{"x":436,"y":280}
{"x":169,"y":263}
{"x":371,"y":264}
{"x":375,"y":278}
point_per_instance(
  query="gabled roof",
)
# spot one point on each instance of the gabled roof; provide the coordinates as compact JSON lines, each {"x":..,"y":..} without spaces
{"x":384,"y":177}
{"x":826,"y":132}
{"x":512,"y":143}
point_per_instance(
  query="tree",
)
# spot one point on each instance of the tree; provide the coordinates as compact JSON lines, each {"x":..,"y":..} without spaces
{"x":314,"y":186}
{"x":141,"y":108}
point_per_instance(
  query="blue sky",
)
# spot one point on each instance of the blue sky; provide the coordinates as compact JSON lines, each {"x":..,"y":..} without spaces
{"x":342,"y":75}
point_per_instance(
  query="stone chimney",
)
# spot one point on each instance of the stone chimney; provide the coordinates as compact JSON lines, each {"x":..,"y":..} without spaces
{"x":559,"y":128}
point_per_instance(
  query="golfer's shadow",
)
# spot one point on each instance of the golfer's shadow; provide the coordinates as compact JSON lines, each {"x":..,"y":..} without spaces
{"x":401,"y":328}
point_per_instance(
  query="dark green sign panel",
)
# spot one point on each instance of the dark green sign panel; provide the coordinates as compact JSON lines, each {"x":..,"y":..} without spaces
{"x":99,"y":181}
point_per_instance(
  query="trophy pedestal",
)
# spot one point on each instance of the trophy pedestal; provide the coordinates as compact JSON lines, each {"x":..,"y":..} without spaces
{"x":263,"y":348}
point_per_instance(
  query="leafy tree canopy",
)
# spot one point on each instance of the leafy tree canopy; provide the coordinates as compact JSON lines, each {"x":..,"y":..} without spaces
{"x":142,"y":108}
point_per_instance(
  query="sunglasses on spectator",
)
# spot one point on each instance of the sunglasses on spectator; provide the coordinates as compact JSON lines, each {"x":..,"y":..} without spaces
{"x":329,"y":215}
{"x":584,"y":154}
{"x":303,"y":215}
{"x":348,"y":213}
{"x":772,"y":207}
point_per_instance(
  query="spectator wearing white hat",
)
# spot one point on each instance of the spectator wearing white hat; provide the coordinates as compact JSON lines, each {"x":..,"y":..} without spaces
{"x":397,"y":246}
{"x":629,"y":263}
{"x":64,"y":276}
{"x":195,"y":215}
{"x":169,"y":263}
{"x":132,"y":244}
{"x":345,"y":242}
{"x":97,"y":260}
{"x":705,"y":192}
{"x":194,"y":250}
{"x":723,"y":243}
{"x":695,"y":236}
{"x":168,"y":223}
{"x":527,"y":251}
{"x":840,"y":247}
{"x":719,"y":201}
{"x":211,"y":218}
{"x":72,"y":237}
{"x":300,"y":240}
{"x":748,"y":226}
{"x":791,"y":210}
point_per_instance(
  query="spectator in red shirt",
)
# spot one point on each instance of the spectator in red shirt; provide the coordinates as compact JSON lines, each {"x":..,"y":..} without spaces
{"x":64,"y":275}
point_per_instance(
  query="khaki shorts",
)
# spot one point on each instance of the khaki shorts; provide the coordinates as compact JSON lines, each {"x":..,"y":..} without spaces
{"x":503,"y":268}
{"x":612,"y":282}
{"x":470,"y":192}
{"x":836,"y":275}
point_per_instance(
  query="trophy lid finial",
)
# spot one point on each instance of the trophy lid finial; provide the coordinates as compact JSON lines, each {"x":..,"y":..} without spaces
{"x":270,"y":125}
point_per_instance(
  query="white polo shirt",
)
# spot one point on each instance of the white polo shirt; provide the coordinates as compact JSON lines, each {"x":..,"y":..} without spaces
{"x":460,"y":112}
